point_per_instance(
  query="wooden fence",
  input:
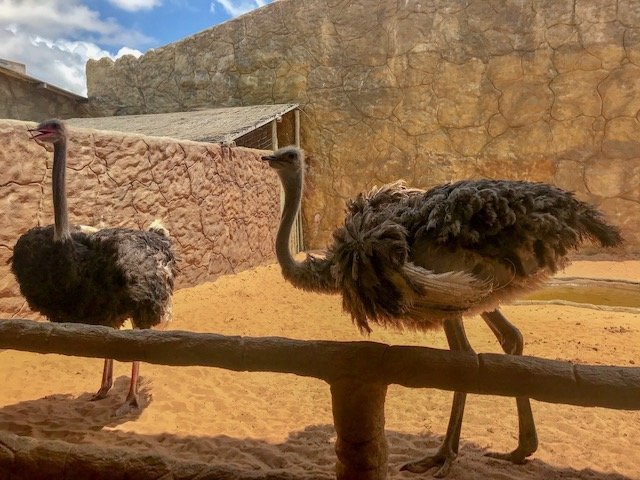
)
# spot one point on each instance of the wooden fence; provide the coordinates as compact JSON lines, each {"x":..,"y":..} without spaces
{"x":358,"y":373}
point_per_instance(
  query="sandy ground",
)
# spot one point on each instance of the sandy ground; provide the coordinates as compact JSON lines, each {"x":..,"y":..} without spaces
{"x":263,"y":422}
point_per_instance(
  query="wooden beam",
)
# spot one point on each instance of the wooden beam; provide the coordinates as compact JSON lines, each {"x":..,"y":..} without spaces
{"x":296,"y":126}
{"x":25,"y":458}
{"x":274,"y":134}
{"x":299,"y":237}
{"x":369,"y":362}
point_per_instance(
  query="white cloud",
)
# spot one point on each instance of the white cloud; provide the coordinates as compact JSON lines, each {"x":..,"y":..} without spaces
{"x":127,"y":51}
{"x":135,"y":5}
{"x":65,"y":19}
{"x":55,"y":38}
{"x":60,"y":62}
{"x":236,"y":8}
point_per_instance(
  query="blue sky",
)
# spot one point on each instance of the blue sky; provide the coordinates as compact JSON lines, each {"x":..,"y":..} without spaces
{"x":55,"y":38}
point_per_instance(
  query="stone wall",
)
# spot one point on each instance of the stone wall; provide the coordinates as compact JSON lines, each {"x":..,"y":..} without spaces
{"x":22,"y":100}
{"x":426,"y":90}
{"x":221,"y":206}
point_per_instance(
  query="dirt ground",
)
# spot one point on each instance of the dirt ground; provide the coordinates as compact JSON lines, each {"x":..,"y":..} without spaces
{"x":269,"y":423}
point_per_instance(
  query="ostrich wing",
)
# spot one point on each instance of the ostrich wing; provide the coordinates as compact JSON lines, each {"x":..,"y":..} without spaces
{"x":424,"y":299}
{"x":449,"y":290}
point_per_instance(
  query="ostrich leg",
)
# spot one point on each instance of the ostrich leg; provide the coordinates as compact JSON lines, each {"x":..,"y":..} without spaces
{"x":512,"y":343}
{"x":107,"y":380}
{"x":132,"y":401}
{"x":448,"y":451}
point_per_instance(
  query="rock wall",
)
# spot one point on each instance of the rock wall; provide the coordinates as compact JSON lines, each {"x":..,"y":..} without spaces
{"x":24,"y":101}
{"x":429,"y":91}
{"x":221,"y":206}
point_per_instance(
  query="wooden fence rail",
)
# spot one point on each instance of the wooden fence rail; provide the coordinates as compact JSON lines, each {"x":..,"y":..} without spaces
{"x":355,"y":370}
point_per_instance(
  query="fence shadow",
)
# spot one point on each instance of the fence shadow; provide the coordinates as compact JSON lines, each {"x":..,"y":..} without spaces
{"x":69,"y":418}
{"x":306,"y":454}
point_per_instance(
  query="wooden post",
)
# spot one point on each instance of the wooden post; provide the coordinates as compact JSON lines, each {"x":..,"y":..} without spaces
{"x":358,"y":416}
{"x":299,"y":241}
{"x":296,"y":126}
{"x":274,"y":134}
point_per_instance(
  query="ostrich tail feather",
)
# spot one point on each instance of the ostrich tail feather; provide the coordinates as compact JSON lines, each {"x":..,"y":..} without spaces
{"x":594,"y":226}
{"x":88,"y":229}
{"x":158,"y":227}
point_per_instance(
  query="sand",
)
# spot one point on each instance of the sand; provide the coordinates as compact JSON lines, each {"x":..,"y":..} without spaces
{"x":270,"y":423}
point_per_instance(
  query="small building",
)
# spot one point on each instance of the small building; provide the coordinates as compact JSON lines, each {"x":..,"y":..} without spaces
{"x":257,"y":126}
{"x":23,"y":97}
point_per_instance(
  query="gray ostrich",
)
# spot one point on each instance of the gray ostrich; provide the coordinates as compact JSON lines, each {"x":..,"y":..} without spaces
{"x":416,"y":259}
{"x":99,"y":278}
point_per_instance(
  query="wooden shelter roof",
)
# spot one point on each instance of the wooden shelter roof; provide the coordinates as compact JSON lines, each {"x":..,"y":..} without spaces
{"x":210,"y":125}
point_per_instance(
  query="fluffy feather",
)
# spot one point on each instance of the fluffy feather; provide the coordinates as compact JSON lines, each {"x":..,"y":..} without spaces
{"x":101,"y":278}
{"x":410,"y":258}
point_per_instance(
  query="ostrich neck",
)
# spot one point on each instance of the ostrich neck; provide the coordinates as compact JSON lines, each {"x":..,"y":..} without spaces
{"x":314,"y":273}
{"x":61,"y":230}
{"x":292,"y":198}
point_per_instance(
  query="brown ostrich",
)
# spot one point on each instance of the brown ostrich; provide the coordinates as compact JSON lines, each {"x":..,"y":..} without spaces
{"x":416,"y":259}
{"x":99,"y":277}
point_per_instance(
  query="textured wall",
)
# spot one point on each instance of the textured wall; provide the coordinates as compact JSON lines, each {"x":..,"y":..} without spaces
{"x":221,"y":207}
{"x":24,"y":101}
{"x":426,"y":90}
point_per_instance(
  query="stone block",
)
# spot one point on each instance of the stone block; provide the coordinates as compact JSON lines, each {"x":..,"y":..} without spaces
{"x":525,"y":102}
{"x":577,"y":139}
{"x":571,"y":57}
{"x":576,"y":94}
{"x":465,"y":97}
{"x":621,"y":92}
{"x":621,"y":138}
{"x":616,"y":178}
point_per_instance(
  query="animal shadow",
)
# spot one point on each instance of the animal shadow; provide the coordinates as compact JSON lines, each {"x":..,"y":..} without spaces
{"x":69,"y":418}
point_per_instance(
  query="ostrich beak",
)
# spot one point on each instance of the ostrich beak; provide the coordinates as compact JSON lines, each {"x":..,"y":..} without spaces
{"x":36,"y":134}
{"x":268,"y":158}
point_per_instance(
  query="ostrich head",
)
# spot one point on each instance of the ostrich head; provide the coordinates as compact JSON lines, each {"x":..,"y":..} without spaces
{"x":53,"y":131}
{"x":50,"y":131}
{"x":288,"y":162}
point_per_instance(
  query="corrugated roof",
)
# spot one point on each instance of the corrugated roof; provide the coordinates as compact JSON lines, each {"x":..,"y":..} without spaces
{"x":9,"y":72}
{"x":211,"y":125}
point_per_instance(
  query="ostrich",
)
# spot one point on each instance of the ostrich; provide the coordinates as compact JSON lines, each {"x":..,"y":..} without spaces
{"x":416,"y":259}
{"x":98,"y":278}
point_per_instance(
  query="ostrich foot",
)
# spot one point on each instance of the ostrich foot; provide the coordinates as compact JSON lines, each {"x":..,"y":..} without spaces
{"x":130,"y":404}
{"x":443,"y":458}
{"x":518,"y":456}
{"x":100,"y":394}
{"x":107,"y":381}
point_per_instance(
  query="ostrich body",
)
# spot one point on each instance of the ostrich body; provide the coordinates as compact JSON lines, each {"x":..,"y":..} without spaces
{"x":99,"y":278}
{"x":416,"y":259}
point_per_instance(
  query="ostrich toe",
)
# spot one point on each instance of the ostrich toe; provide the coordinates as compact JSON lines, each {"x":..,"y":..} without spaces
{"x":518,"y":456}
{"x":443,"y":458}
{"x":130,"y":404}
